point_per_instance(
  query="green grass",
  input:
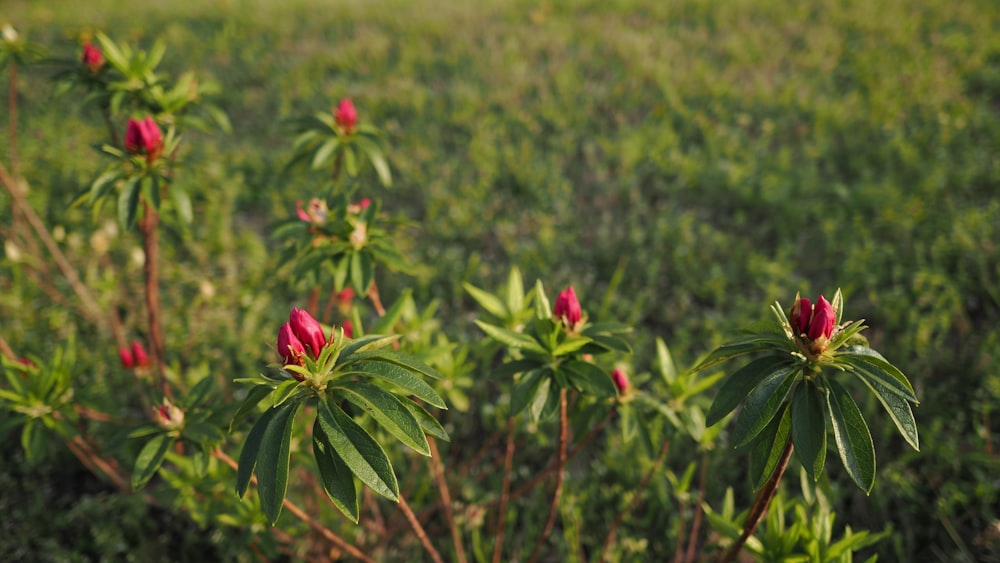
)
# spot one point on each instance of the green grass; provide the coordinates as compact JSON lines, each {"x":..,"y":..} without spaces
{"x":719,"y":155}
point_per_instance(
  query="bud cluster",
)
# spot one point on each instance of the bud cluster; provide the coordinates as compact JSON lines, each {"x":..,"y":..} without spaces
{"x":92,"y":57}
{"x":346,"y":116}
{"x":144,"y":137}
{"x":567,"y":309}
{"x":813,"y":325}
{"x":134,"y":356}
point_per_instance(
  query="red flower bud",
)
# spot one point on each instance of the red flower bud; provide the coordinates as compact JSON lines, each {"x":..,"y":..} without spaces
{"x":348,"y":328}
{"x":307,"y":330}
{"x":801,"y":313}
{"x":823,"y":319}
{"x":345,"y":115}
{"x":139,"y":353}
{"x":125,"y":355}
{"x":620,"y":379}
{"x":346,"y":296}
{"x":144,"y":137}
{"x":567,"y":308}
{"x":92,"y":57}
{"x":290,"y":348}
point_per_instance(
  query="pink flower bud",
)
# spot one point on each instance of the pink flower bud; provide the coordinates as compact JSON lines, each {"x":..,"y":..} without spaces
{"x":620,"y":379}
{"x":92,"y":57}
{"x":307,"y":330}
{"x":144,"y":137}
{"x":345,"y":115}
{"x":348,"y":328}
{"x":168,"y":416}
{"x":346,"y":297}
{"x":567,"y":308}
{"x":125,"y":355}
{"x":290,"y":348}
{"x":823,"y":319}
{"x":801,"y":313}
{"x":139,"y":353}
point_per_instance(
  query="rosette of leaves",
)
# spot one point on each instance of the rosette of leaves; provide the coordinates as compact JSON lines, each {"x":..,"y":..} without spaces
{"x":132,"y":178}
{"x":41,"y":395}
{"x":345,"y":241}
{"x":547,"y":358}
{"x":130,"y":82}
{"x":789,"y":399}
{"x":323,"y":143}
{"x":199,"y":429}
{"x":351,"y":383}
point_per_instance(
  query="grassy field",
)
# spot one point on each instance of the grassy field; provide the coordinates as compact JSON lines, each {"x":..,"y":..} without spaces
{"x":683,"y":163}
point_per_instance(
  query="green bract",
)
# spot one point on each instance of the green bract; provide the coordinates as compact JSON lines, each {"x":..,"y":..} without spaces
{"x":789,"y":399}
{"x":350,"y":383}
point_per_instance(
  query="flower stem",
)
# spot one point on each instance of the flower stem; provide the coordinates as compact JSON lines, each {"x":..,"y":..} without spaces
{"x":760,"y":504}
{"x":151,"y":248}
{"x":419,"y":530}
{"x":504,"y":491}
{"x":560,"y":463}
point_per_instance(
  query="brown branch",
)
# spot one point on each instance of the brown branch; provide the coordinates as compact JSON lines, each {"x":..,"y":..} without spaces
{"x":696,"y":527}
{"x":6,"y":349}
{"x":375,"y":299}
{"x":91,"y":307}
{"x":759,"y":508}
{"x":419,"y":530}
{"x":620,"y":517}
{"x":301,"y":514}
{"x":560,"y":463}
{"x":504,"y":491}
{"x":151,"y":250}
{"x":438,"y":470}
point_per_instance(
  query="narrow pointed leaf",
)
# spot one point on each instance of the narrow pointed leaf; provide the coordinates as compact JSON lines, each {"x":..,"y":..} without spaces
{"x":768,"y":447}
{"x":323,"y":153}
{"x":389,"y":412}
{"x":488,"y":301}
{"x":514,"y":367}
{"x":403,"y":379}
{"x":128,"y":203}
{"x":525,"y":390}
{"x":427,"y":421}
{"x":809,"y":428}
{"x":763,"y":403}
{"x":898,"y":409}
{"x":150,"y":459}
{"x":589,"y":379}
{"x":875,"y":366}
{"x":272,"y":460}
{"x":511,"y":338}
{"x":251,"y":449}
{"x":360,"y":452}
{"x":741,"y":346}
{"x":338,"y":481}
{"x":854,"y":441}
{"x":737,"y":386}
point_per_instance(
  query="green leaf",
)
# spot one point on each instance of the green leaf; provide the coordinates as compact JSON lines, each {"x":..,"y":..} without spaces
{"x":183,"y":203}
{"x":198,"y":393}
{"x":589,"y":379}
{"x":336,"y":476}
{"x":769,"y":446}
{"x":359,"y":451}
{"x":667,"y":369}
{"x":604,"y":343}
{"x":362,"y":271}
{"x":272,"y":461}
{"x":570,"y":345}
{"x":402,"y":379}
{"x":737,"y":386}
{"x":898,"y":409}
{"x":874,"y":365}
{"x":546,"y":401}
{"x":389,"y":412}
{"x":401,"y":360}
{"x":809,"y":428}
{"x":33,"y":441}
{"x":542,"y":308}
{"x":525,"y":390}
{"x":128,"y":203}
{"x":763,"y":403}
{"x":850,"y":432}
{"x":255,"y":395}
{"x":103,"y":184}
{"x":515,"y":291}
{"x":745,"y":345}
{"x":322,"y":155}
{"x":511,"y":339}
{"x":150,"y":459}
{"x":515,"y":367}
{"x":250,"y":451}
{"x":488,"y":301}
{"x":393,"y":314}
{"x":427,"y":421}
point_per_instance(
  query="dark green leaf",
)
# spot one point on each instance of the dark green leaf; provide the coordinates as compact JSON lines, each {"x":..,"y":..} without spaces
{"x":854,"y":441}
{"x":389,"y":412}
{"x":128,"y":203}
{"x":150,"y":459}
{"x":589,"y":379}
{"x":769,"y":446}
{"x":515,"y":367}
{"x":338,"y":481}
{"x":875,"y":367}
{"x":359,"y":451}
{"x":199,"y":392}
{"x":103,"y":184}
{"x":183,"y":203}
{"x":745,"y":345}
{"x":737,"y":386}
{"x":898,"y":409}
{"x":255,"y":395}
{"x":385,"y":323}
{"x":322,"y":155}
{"x":272,"y":461}
{"x":525,"y":390}
{"x":511,"y":338}
{"x":251,"y":448}
{"x":427,"y":421}
{"x":763,"y":403}
{"x":809,"y":428}
{"x":403,"y":379}
{"x":605,"y":343}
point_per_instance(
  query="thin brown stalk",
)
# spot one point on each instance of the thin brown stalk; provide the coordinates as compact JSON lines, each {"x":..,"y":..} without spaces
{"x":438,"y":470}
{"x":419,"y":530}
{"x":6,"y":349}
{"x":90,"y":305}
{"x":560,"y":463}
{"x":504,"y":491}
{"x":696,"y":526}
{"x":760,"y":504}
{"x":313,"y":304}
{"x":151,"y":271}
{"x":375,"y":299}
{"x":301,"y":514}
{"x":620,"y":517}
